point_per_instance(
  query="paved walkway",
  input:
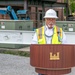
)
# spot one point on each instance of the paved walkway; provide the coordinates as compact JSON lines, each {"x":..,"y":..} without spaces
{"x":15,"y":65}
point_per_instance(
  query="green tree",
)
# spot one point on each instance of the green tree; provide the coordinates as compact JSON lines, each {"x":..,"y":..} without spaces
{"x":71,"y":4}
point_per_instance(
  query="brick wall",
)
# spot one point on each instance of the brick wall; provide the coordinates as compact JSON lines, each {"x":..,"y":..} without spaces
{"x":33,"y":16}
{"x":4,"y":16}
{"x":60,"y":1}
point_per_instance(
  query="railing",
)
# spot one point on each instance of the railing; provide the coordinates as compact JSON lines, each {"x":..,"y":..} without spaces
{"x":25,"y":37}
{"x":16,"y":37}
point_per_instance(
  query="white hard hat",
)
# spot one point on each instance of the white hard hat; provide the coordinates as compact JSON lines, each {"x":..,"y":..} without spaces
{"x":50,"y":14}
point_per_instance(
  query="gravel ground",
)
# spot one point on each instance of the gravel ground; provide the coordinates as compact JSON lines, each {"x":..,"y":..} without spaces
{"x":18,"y":65}
{"x":15,"y":65}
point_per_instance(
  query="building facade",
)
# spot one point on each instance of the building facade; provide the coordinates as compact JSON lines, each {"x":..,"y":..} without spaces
{"x":34,"y":10}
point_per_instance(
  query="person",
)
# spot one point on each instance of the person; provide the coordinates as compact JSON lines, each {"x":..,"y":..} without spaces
{"x":49,"y":33}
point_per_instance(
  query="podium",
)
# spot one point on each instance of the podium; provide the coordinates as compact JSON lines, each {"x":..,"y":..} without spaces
{"x":49,"y":59}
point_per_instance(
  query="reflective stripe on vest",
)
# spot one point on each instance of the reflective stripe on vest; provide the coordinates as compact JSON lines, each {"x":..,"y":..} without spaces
{"x":41,"y":35}
{"x":56,"y":38}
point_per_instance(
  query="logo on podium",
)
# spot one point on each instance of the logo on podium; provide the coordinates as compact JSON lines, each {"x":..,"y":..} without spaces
{"x":54,"y":56}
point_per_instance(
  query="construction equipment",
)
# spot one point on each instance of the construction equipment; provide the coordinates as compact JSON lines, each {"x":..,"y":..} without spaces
{"x":9,"y":11}
{"x":21,"y":14}
{"x":18,"y":21}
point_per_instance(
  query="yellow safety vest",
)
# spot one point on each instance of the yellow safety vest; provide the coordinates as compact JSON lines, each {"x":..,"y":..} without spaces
{"x":56,"y":37}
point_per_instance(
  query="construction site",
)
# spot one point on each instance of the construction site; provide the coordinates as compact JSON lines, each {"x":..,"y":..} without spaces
{"x":18,"y":21}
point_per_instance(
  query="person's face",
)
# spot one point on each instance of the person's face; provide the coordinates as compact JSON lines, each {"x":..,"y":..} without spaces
{"x":50,"y":22}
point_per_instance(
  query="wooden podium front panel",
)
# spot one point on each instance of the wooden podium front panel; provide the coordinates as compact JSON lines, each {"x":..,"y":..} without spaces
{"x":74,"y":55}
{"x":40,"y":56}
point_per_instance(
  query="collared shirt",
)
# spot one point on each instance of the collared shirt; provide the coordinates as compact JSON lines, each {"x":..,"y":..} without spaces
{"x":48,"y":34}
